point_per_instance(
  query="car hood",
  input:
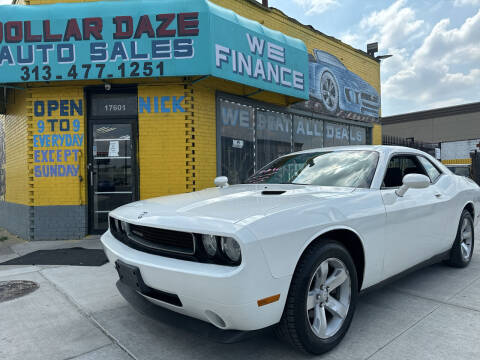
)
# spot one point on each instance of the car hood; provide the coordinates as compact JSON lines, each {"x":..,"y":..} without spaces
{"x":231,"y":204}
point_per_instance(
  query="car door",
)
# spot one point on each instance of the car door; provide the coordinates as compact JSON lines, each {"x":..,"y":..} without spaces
{"x":444,"y":208}
{"x":412,"y":227}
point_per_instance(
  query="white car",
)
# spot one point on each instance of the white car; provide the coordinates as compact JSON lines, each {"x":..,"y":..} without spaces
{"x":295,"y":245}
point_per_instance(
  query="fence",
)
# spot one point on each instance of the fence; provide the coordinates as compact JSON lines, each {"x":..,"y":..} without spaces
{"x":399,"y":141}
{"x":475,"y":166}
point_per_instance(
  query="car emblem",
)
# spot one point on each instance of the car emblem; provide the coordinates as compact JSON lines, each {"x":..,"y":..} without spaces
{"x":142,"y":214}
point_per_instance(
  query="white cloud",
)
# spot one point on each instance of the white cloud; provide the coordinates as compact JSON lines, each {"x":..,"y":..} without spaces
{"x":5,"y":2}
{"x":352,"y":39}
{"x":432,"y":66}
{"x":316,"y":6}
{"x":393,"y":25}
{"x":466,"y":2}
{"x":445,"y":67}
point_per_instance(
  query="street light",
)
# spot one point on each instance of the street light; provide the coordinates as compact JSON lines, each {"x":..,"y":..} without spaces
{"x":372,"y":48}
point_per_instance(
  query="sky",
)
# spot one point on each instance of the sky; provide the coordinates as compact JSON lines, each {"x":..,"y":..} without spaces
{"x":435,"y":45}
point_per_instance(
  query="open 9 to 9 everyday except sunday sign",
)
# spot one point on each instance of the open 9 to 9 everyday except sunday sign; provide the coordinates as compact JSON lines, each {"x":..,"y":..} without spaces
{"x":147,"y":39}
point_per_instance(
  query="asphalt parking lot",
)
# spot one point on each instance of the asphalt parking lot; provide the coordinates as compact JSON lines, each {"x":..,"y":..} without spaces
{"x":77,"y":313}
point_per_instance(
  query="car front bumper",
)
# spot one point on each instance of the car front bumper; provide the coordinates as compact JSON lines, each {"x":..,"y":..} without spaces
{"x":230,"y":293}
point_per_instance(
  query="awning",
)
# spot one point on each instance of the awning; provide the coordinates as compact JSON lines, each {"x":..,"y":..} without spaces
{"x":139,"y":39}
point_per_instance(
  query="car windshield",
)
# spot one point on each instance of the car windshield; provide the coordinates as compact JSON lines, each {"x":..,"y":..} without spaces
{"x":328,"y":58}
{"x":349,"y":168}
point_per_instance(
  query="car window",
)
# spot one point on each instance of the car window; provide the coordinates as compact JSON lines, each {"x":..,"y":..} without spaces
{"x":460,"y":170}
{"x":335,"y":168}
{"x":398,"y":167}
{"x":432,"y":171}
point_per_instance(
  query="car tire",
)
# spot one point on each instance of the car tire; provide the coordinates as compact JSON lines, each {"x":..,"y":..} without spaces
{"x":298,"y":324}
{"x":462,"y":249}
{"x":329,"y":93}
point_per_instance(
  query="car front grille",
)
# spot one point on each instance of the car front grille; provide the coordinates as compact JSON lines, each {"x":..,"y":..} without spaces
{"x":153,"y":240}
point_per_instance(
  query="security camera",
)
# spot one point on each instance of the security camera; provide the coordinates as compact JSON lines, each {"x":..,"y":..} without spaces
{"x":108,"y":87}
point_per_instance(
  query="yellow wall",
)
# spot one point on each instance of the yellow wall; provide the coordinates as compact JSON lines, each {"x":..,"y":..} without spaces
{"x":205,"y":136}
{"x":2,"y":158}
{"x":18,"y":180}
{"x":57,"y":189}
{"x":377,"y":134}
{"x":162,"y":151}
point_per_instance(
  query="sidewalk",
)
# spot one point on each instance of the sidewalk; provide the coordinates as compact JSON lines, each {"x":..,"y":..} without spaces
{"x":77,"y":313}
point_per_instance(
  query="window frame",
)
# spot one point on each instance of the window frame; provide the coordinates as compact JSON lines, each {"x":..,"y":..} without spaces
{"x":414,"y":155}
{"x":435,"y":166}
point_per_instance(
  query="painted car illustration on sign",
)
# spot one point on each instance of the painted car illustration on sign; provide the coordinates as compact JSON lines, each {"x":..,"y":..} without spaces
{"x":339,"y":89}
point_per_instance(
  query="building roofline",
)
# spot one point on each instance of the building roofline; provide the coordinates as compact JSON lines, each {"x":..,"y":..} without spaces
{"x":313,"y":29}
{"x":433,"y":113}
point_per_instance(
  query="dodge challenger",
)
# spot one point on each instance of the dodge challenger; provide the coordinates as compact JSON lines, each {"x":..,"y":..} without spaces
{"x":294,"y":246}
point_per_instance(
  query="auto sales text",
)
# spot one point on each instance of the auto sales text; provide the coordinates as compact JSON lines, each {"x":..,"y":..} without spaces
{"x":51,"y":47}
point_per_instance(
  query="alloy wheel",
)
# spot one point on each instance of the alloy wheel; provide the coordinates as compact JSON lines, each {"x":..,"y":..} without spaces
{"x":329,"y":91}
{"x":466,"y":239}
{"x":328,"y":298}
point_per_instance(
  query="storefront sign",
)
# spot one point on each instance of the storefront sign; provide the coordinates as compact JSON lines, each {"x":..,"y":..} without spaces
{"x":237,"y":121}
{"x":147,"y":39}
{"x":161,"y":104}
{"x":58,"y":137}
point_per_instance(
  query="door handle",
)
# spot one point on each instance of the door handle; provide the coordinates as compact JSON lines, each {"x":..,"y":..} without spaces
{"x":91,"y":177}
{"x":438,"y":195}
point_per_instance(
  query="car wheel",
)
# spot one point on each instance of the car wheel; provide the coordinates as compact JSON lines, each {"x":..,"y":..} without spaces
{"x":462,"y":249}
{"x":329,"y":91}
{"x":321,"y":299}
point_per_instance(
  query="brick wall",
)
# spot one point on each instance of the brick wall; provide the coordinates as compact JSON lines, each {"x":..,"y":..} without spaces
{"x":17,"y":176}
{"x":205,"y":136}
{"x":377,"y":134}
{"x":57,"y":190}
{"x":162,"y":139}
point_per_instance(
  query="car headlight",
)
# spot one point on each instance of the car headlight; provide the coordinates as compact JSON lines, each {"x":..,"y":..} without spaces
{"x":210,"y":244}
{"x":231,"y":249}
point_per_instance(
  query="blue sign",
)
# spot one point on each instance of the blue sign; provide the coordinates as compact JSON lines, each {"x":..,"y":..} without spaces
{"x":147,"y":39}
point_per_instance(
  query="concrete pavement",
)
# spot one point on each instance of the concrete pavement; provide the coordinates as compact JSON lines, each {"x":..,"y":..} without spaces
{"x":77,"y":313}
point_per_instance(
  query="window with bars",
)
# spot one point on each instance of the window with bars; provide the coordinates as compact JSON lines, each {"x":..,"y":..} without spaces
{"x":249,"y":136}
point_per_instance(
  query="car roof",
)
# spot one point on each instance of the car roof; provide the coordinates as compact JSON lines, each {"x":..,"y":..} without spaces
{"x":384,"y":149}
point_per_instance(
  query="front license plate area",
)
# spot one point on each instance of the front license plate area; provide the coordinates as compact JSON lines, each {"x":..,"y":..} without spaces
{"x":130,"y":275}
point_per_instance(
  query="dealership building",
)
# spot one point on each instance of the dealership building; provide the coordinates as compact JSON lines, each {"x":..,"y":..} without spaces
{"x":105,"y":103}
{"x":455,"y":130}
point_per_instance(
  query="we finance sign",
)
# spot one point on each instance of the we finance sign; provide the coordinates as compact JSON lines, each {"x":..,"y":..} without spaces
{"x":140,"y":39}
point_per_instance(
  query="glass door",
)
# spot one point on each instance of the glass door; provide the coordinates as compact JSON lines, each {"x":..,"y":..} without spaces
{"x":112,"y":170}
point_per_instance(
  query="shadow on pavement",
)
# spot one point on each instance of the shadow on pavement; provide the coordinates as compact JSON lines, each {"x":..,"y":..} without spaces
{"x":74,"y":256}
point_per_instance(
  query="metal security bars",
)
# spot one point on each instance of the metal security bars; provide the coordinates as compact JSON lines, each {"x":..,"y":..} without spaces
{"x":251,"y":134}
{"x":429,"y":148}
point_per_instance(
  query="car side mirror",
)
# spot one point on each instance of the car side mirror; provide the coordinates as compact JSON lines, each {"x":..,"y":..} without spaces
{"x":413,"y":181}
{"x":221,"y":181}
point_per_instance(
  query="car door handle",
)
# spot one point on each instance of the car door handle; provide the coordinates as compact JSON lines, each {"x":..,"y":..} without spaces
{"x":438,"y":195}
